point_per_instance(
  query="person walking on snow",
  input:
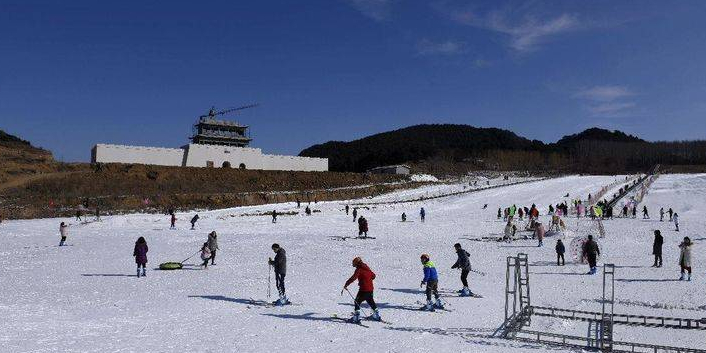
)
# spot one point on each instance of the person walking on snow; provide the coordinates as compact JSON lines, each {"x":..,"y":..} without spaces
{"x":362,"y":227}
{"x":499,"y":213}
{"x":205,"y":255}
{"x":365,"y":277}
{"x":193,"y":221}
{"x":591,"y":251}
{"x":63,"y":231}
{"x":274,"y":216}
{"x":347,"y":208}
{"x":355,"y":213}
{"x":661,"y":214}
{"x":670,"y":214}
{"x":173,"y":221}
{"x":685,"y":258}
{"x":634,"y":211}
{"x":539,"y":233}
{"x":645,"y":215}
{"x":431,"y":280}
{"x":212,"y":245}
{"x":280,"y":265}
{"x":676,"y":220}
{"x":140,"y":254}
{"x":560,"y":250}
{"x":657,"y":248}
{"x":78,"y":215}
{"x":463,"y":262}
{"x":422,"y":214}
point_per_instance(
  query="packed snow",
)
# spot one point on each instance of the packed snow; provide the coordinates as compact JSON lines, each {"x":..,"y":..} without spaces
{"x":85,"y":297}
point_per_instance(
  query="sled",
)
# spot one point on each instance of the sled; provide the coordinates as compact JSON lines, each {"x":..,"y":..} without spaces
{"x":171,"y":266}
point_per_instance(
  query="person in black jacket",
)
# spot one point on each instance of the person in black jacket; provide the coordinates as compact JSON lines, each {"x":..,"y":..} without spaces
{"x":591,"y":251}
{"x":280,"y":265}
{"x":464,"y":263}
{"x":657,"y":248}
{"x":560,"y":250}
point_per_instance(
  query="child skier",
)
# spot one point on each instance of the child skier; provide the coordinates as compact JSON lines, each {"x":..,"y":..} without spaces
{"x":365,"y":278}
{"x":685,"y":258}
{"x":560,"y":250}
{"x":63,"y":232}
{"x":212,"y":245}
{"x":431,"y":280}
{"x":193,"y":221}
{"x":464,"y":263}
{"x":205,"y":255}
{"x":280,"y":265}
{"x":140,"y":254}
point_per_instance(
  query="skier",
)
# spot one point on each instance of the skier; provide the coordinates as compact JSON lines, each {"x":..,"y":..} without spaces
{"x":661,"y":214}
{"x":539,"y":233}
{"x":685,"y":258}
{"x":431,"y":280}
{"x":508,"y":232}
{"x":347,"y":208}
{"x":404,"y":217}
{"x":78,"y":215}
{"x":140,"y":254}
{"x":212,"y":245}
{"x":560,"y":250}
{"x":63,"y":232}
{"x":499,"y":213}
{"x":645,"y":215}
{"x":365,"y":277}
{"x":625,"y":211}
{"x":173,"y":221}
{"x":670,"y":214}
{"x":634,"y":211}
{"x":274,"y":216}
{"x":362,"y":226}
{"x":591,"y":251}
{"x":520,"y":213}
{"x":193,"y":221}
{"x":551,"y":209}
{"x":513,"y":210}
{"x":280,"y":265}
{"x":205,"y":255}
{"x":422,"y":214}
{"x":676,"y":220}
{"x":464,"y":263}
{"x":657,"y":248}
{"x":355,"y":213}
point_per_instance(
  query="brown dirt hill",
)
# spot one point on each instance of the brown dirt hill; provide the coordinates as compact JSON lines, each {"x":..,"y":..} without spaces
{"x":125,"y":188}
{"x":19,"y":159}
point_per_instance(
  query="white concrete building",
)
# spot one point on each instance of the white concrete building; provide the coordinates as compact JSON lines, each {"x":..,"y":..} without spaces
{"x":216,"y":143}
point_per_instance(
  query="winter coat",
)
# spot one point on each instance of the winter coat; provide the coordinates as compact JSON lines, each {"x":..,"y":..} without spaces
{"x":212,"y":242}
{"x":676,"y":219}
{"x":463,"y":262}
{"x":365,"y":277}
{"x":591,"y":248}
{"x":657,"y":245}
{"x":560,"y":248}
{"x":194,"y":219}
{"x":363,"y":225}
{"x":63,"y":231}
{"x":685,"y":254}
{"x":508,"y":231}
{"x":280,"y":262}
{"x":539,"y":232}
{"x":205,"y":253}
{"x":140,"y":253}
{"x":430,"y":272}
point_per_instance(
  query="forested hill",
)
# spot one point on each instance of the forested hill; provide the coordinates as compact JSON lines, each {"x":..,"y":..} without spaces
{"x":447,"y":148}
{"x":416,"y":143}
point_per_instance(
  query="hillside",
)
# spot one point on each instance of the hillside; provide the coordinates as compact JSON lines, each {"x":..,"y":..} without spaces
{"x":456,"y":149}
{"x":417,"y":143}
{"x":19,"y":159}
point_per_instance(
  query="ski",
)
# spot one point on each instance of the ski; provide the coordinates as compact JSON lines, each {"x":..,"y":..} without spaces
{"x":335,"y":317}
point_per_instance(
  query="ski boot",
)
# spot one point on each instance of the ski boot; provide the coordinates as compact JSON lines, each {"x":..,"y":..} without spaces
{"x":681,"y":278}
{"x":144,"y":272}
{"x":355,"y":319}
{"x":138,"y":272}
{"x":465,"y":292}
{"x":439,"y":304}
{"x":428,"y":307}
{"x":375,"y":316}
{"x":689,"y":278}
{"x":282,"y":300}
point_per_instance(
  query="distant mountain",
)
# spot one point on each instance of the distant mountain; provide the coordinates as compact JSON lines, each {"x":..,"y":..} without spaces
{"x":597,"y":134}
{"x":415,"y":143}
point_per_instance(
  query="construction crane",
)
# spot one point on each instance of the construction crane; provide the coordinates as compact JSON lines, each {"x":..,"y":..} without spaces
{"x":213,"y":113}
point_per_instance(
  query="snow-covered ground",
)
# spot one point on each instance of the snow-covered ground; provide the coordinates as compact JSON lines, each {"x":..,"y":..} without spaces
{"x":85,"y":297}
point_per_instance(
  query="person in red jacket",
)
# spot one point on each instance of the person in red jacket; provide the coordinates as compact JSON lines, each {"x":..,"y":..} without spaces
{"x":365,"y":277}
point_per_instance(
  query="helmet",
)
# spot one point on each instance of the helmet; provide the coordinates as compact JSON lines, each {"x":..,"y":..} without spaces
{"x":424,"y":257}
{"x":357,"y":261}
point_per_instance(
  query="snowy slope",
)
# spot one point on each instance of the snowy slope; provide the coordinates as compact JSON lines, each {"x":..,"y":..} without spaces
{"x":85,"y":297}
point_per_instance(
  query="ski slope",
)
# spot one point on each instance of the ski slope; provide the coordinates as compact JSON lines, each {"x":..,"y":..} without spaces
{"x":85,"y":297}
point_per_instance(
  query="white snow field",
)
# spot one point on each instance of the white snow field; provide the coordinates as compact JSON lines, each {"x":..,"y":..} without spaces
{"x":85,"y":297}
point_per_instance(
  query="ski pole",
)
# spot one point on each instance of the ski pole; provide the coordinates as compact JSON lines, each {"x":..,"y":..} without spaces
{"x":269,"y":281}
{"x":478,"y":272}
{"x":190,"y":256}
{"x":352,"y":297}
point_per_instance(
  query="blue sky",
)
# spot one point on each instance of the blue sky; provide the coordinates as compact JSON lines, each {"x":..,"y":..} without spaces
{"x":76,"y":73}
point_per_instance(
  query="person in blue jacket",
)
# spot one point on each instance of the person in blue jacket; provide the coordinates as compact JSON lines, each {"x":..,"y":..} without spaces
{"x":431,"y":280}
